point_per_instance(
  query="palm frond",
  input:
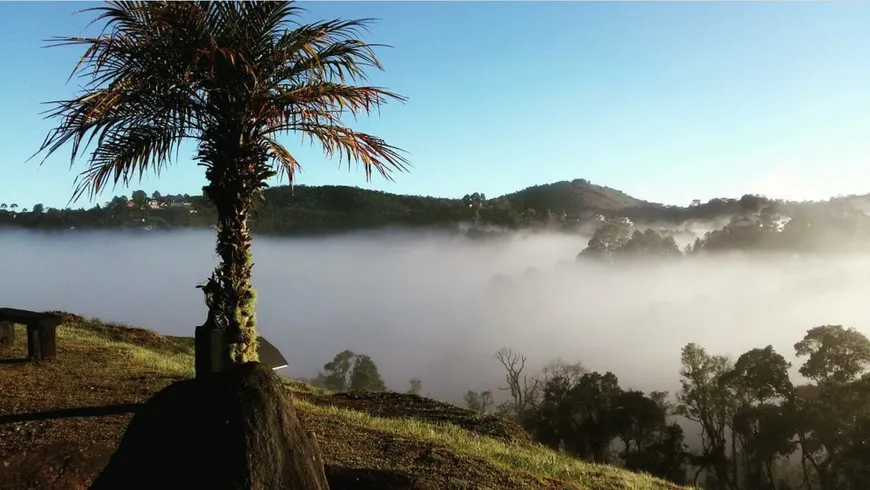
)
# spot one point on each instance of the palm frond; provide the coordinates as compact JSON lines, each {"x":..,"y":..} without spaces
{"x":352,"y":146}
{"x":123,"y":153}
{"x":134,"y":89}
{"x":265,"y":22}
{"x":129,"y":17}
{"x":325,"y":50}
{"x":160,"y":72}
{"x":315,"y":110}
{"x":326,"y":101}
{"x":286,"y":163}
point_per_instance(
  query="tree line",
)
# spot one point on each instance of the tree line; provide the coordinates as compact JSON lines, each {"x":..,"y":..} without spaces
{"x":765,"y":230}
{"x":758,"y":428}
{"x":279,"y":211}
{"x":349,"y":371}
{"x":756,"y":223}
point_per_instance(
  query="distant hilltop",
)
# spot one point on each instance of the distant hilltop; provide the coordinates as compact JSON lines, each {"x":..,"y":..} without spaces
{"x":329,"y":209}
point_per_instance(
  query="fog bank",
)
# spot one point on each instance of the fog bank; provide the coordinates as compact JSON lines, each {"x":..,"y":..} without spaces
{"x":424,"y":304}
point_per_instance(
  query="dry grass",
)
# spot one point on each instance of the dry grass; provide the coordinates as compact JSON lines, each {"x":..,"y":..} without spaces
{"x":97,"y":365}
{"x":101,"y":364}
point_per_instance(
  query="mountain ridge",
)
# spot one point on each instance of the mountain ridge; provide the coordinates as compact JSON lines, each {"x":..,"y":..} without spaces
{"x":283,"y":210}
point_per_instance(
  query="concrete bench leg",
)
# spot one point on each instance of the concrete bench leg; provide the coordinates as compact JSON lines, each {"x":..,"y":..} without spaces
{"x":7,"y":335}
{"x":41,"y":342}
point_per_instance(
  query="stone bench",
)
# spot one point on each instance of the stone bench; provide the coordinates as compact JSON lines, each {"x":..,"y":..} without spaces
{"x":41,"y":331}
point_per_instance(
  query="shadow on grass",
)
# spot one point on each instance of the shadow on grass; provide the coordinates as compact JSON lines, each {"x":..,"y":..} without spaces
{"x":21,"y":360}
{"x":101,"y":411}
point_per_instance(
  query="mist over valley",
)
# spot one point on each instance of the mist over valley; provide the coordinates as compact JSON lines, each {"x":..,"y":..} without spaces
{"x":428,"y":304}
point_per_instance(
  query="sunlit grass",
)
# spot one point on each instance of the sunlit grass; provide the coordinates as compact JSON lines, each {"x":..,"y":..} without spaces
{"x":536,"y":460}
{"x":177,"y":361}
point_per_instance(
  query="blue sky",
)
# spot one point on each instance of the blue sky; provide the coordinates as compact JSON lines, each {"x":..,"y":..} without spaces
{"x":666,"y":101}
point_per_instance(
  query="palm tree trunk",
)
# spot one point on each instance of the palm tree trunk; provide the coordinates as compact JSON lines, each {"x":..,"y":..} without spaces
{"x":229,"y":294}
{"x":237,"y":294}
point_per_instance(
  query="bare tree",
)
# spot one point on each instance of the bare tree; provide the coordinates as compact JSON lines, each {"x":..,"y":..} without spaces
{"x":479,"y":402}
{"x":560,"y":368}
{"x":485,"y":401}
{"x":524,"y":390}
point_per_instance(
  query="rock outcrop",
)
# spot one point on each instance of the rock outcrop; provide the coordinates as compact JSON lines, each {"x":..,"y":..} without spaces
{"x":234,"y":430}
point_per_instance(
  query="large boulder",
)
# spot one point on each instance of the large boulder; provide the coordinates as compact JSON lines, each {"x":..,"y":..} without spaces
{"x":233,"y":430}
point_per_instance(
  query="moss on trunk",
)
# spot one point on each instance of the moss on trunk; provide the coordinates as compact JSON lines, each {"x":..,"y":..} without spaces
{"x":234,"y":175}
{"x":234,"y":250}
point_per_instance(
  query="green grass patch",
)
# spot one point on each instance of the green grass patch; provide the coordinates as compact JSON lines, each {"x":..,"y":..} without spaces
{"x":296,"y":386}
{"x":171,"y":357}
{"x":535,"y":460}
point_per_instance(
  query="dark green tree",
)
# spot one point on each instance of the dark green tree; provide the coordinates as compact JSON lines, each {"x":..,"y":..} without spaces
{"x":139,"y":198}
{"x":835,"y":355}
{"x":337,"y":372}
{"x":365,"y":375}
{"x":608,"y":239}
{"x":649,"y":244}
{"x":763,"y":429}
{"x":593,"y":402}
{"x":349,"y":371}
{"x":832,"y":414}
{"x":706,"y":401}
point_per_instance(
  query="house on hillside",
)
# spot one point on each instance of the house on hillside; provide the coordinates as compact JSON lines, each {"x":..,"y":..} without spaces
{"x":183,"y":205}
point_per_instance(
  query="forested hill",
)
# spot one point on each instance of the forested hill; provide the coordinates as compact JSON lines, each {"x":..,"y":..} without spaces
{"x":325,"y":209}
{"x":573,"y":197}
{"x":329,"y":209}
{"x":339,"y":207}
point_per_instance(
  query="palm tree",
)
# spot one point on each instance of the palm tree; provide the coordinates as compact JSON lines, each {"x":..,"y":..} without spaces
{"x":230,"y":76}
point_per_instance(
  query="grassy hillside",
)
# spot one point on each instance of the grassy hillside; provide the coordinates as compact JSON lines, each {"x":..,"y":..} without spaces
{"x":79,"y":405}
